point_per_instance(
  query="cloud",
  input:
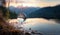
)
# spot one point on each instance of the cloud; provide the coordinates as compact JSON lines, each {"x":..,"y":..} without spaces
{"x":50,"y":0}
{"x":45,"y":3}
{"x":38,"y":3}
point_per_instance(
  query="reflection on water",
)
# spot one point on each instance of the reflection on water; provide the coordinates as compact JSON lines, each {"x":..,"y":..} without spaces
{"x":47,"y":27}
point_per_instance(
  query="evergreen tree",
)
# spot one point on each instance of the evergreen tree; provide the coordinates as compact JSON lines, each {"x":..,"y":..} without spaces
{"x":7,"y":14}
{"x":13,"y":15}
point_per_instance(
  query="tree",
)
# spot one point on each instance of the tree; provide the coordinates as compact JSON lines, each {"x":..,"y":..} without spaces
{"x":7,"y":14}
{"x":12,"y":15}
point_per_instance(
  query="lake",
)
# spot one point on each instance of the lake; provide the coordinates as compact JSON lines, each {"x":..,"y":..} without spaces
{"x":44,"y":26}
{"x":47,"y":27}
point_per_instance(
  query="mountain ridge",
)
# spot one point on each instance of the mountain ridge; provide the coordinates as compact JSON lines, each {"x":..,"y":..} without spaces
{"x":46,"y":12}
{"x":25,"y":10}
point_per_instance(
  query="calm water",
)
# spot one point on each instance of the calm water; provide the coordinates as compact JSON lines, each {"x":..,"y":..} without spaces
{"x":45,"y":28}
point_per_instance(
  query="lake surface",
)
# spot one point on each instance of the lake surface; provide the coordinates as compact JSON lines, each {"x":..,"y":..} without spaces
{"x":45,"y":28}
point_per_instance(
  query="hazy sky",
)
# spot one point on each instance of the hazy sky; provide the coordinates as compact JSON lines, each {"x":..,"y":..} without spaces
{"x":35,"y":3}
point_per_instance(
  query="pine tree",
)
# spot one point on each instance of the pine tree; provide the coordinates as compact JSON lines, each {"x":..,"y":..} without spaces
{"x":7,"y":14}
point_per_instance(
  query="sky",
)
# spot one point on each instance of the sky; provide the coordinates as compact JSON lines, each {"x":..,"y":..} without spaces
{"x":34,"y":3}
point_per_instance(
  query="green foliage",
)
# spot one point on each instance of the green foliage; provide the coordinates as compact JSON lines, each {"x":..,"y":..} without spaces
{"x":13,"y":15}
{"x":9,"y":14}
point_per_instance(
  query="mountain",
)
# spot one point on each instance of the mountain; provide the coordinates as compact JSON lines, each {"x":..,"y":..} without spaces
{"x":47,"y":12}
{"x":25,"y":10}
